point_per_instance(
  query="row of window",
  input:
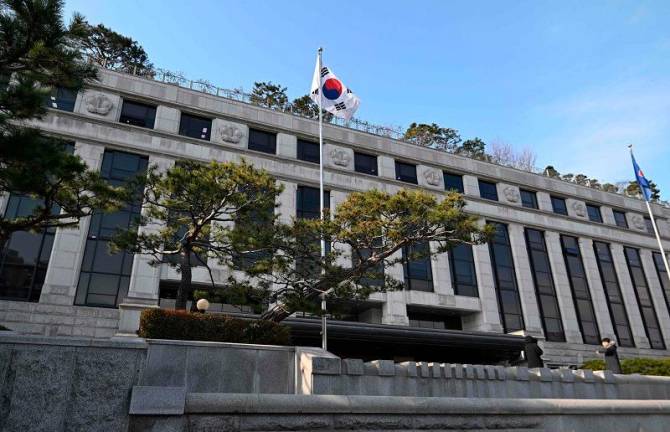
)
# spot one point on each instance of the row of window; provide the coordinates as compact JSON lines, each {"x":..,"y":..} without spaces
{"x":194,"y":126}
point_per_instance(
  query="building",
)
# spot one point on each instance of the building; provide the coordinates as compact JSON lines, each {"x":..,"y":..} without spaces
{"x":569,"y":264}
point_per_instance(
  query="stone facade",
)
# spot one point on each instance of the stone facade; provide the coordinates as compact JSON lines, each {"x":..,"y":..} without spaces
{"x":94,"y":126}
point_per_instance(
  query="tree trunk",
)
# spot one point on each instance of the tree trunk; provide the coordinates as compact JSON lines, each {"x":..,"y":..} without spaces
{"x":185,"y":282}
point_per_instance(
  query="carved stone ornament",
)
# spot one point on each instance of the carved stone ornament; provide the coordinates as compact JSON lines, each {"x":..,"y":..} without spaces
{"x":638,"y":222}
{"x":340,"y":157}
{"x":432,"y":177}
{"x":97,"y":103}
{"x":231,"y":134}
{"x":511,"y":194}
{"x":579,"y":208}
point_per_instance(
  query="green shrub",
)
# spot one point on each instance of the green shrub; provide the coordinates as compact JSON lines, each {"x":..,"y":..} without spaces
{"x":643,"y":366}
{"x":3,"y":328}
{"x":182,"y":325}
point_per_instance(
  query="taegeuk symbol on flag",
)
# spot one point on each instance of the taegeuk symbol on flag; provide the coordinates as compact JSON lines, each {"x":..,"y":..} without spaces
{"x":336,"y":98}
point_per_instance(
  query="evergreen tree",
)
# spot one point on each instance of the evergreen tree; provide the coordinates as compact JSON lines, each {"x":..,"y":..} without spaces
{"x":269,"y":95}
{"x":306,"y":107}
{"x":433,"y":136}
{"x":36,"y":54}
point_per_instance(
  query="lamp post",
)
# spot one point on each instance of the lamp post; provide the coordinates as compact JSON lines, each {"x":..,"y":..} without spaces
{"x":202,"y":305}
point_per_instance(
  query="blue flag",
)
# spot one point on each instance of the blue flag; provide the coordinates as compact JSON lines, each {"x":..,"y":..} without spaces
{"x":641,"y":180}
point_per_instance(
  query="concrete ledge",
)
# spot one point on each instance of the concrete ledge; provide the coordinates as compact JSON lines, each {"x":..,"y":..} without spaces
{"x":148,"y":400}
{"x":218,"y":403}
{"x":16,"y":338}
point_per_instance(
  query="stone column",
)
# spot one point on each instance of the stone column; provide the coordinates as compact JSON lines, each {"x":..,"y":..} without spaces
{"x":470,"y":185}
{"x":287,"y":145}
{"x":143,"y":291}
{"x":394,"y":308}
{"x":544,"y":201}
{"x":287,"y":202}
{"x":596,"y":286}
{"x":440,"y":266}
{"x":629,"y":298}
{"x":489,"y":317}
{"x":562,"y":286}
{"x":336,"y":197}
{"x":4,"y":199}
{"x":167,"y":119}
{"x":656,"y":290}
{"x":386,"y":167}
{"x":62,"y":277}
{"x":524,"y":280}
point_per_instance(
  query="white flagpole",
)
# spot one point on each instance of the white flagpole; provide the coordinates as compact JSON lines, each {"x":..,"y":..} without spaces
{"x":324,"y":334}
{"x":653,"y":224}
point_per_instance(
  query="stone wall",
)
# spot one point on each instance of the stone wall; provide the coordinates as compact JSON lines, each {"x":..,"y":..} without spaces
{"x":333,"y":376}
{"x":59,"y":320}
{"x":244,"y":412}
{"x":67,"y":384}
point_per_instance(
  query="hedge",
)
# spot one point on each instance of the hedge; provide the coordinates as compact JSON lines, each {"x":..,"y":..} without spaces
{"x":182,"y":325}
{"x":3,"y":328}
{"x":643,"y":366}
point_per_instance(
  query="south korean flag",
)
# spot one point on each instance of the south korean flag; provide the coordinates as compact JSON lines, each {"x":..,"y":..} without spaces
{"x":336,"y":98}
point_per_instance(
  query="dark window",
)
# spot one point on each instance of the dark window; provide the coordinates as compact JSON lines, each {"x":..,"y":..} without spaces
{"x":105,"y":277}
{"x":594,"y":213}
{"x":662,"y":276}
{"x":559,"y":206}
{"x":251,"y":222}
{"x":453,"y":182}
{"x":138,"y":114}
{"x":416,"y":267}
{"x":25,"y":256}
{"x":615,"y":301}
{"x":528,"y":198}
{"x":307,"y":205}
{"x":488,"y":190}
{"x":507,"y":290}
{"x":544,"y":286}
{"x":581,"y":294}
{"x":431,"y":321}
{"x":365,"y":163}
{"x":61,"y":98}
{"x":649,"y":224}
{"x":405,"y":172}
{"x":195,"y":127}
{"x":308,"y":151}
{"x":620,"y":218}
{"x":644,"y":301}
{"x":262,"y":141}
{"x":463,"y":274}
{"x":375,"y":276}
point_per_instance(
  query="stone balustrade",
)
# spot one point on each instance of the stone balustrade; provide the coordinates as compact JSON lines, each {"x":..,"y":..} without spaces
{"x":335,"y":376}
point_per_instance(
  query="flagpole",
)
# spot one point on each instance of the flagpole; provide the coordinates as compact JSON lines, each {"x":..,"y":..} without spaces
{"x":324,"y":334}
{"x":653,"y":224}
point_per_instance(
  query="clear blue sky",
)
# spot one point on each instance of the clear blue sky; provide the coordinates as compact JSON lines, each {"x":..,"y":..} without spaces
{"x":575,"y":81}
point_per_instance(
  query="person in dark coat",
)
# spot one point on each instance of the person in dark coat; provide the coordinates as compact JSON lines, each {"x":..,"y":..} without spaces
{"x":533,"y":352}
{"x":608,"y":349}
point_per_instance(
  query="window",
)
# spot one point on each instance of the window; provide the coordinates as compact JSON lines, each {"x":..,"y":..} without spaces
{"x":433,"y":321}
{"x":405,"y":172}
{"x":488,"y":190}
{"x":262,"y":141}
{"x":559,"y":206}
{"x":25,"y":256}
{"x":375,"y":276}
{"x":615,"y":301}
{"x":250,"y":222}
{"x":308,"y":151}
{"x":453,"y":182}
{"x":416,"y":267}
{"x":662,"y":276}
{"x":105,"y":277}
{"x":138,"y":114}
{"x":620,"y":218}
{"x":195,"y":127}
{"x":581,"y":294}
{"x":365,"y":163}
{"x":463,"y":274}
{"x":644,"y":301}
{"x":308,"y":202}
{"x":61,"y":98}
{"x":594,"y":213}
{"x":528,"y":198}
{"x":649,"y":224}
{"x":544,"y":286}
{"x":507,"y":290}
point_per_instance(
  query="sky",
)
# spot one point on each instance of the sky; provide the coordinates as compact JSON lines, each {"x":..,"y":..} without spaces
{"x":574,"y":81}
